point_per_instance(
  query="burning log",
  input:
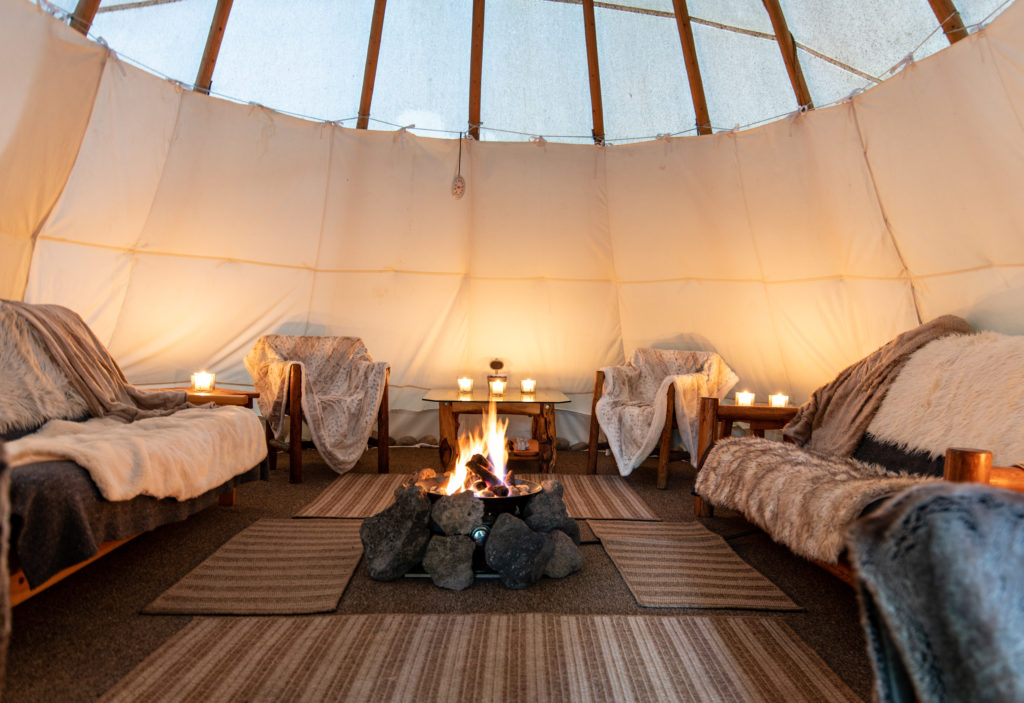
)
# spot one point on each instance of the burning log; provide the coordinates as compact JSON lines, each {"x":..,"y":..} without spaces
{"x":479,"y":465}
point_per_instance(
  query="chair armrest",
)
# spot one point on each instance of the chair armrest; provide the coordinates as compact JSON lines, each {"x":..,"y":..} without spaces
{"x":975,"y":466}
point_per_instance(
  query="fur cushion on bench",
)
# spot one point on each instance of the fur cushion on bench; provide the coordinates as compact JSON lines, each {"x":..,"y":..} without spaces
{"x":802,"y":499}
{"x":959,"y":391}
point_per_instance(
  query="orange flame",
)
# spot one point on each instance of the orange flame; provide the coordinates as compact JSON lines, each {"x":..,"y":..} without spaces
{"x":488,"y":440}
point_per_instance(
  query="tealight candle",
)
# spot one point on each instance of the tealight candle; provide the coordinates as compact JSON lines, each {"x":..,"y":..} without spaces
{"x":778,"y":400}
{"x":465,"y":384}
{"x":203,"y":381}
{"x":744,"y":398}
{"x":528,"y":385}
{"x":497,"y":386}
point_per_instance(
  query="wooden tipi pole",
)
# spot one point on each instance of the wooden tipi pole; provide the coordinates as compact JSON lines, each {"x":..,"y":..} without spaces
{"x":700,"y":103}
{"x":590,"y":28}
{"x":370,"y":74}
{"x":788,"y":48}
{"x":950,"y":19}
{"x":476,"y":60}
{"x":204,"y":79}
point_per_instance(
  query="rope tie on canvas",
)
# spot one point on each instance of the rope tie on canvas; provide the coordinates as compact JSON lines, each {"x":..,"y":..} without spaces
{"x":538,"y":140}
{"x":59,"y":13}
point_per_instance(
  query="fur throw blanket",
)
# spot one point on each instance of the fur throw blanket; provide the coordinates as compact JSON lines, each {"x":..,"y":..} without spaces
{"x":631,"y":410}
{"x":958,"y":391}
{"x":57,"y":368}
{"x":802,"y":499}
{"x":834,"y":419}
{"x":175,"y":456}
{"x":342,"y":388}
{"x":939,"y":578}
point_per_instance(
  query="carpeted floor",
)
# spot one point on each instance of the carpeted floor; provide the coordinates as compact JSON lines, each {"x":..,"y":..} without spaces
{"x":79,"y":638}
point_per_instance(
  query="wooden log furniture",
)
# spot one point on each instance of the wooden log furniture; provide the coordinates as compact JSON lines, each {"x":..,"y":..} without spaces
{"x":539,"y":406}
{"x":293,"y":447}
{"x":664,"y":444}
{"x":716,"y":422}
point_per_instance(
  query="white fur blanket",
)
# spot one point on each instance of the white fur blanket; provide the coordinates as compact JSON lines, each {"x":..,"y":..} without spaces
{"x":181,"y":456}
{"x":802,"y":499}
{"x":631,"y":410}
{"x":939,"y":577}
{"x":342,"y":388}
{"x":958,"y":391}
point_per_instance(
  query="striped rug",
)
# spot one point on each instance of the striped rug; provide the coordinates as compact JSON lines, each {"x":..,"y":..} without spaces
{"x":273,"y":567}
{"x":685,"y":565}
{"x":593,"y":497}
{"x":354,"y":496}
{"x":451,"y":658}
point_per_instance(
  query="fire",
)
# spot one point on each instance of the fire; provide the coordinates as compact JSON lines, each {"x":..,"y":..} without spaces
{"x":488,"y":441}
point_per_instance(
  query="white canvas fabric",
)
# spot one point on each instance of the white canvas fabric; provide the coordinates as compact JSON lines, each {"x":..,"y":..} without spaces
{"x":632,"y":408}
{"x":190,"y":226}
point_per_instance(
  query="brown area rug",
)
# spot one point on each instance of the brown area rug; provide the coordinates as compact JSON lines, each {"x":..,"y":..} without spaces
{"x":273,"y":567}
{"x":685,"y":565}
{"x":526,"y":657}
{"x":354,"y":495}
{"x":595,"y":497}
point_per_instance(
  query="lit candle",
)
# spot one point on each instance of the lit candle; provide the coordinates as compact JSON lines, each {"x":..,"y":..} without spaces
{"x":203,"y":381}
{"x":465,"y":385}
{"x":497,"y":386}
{"x":778,"y":400}
{"x":528,"y":385}
{"x":744,"y":398}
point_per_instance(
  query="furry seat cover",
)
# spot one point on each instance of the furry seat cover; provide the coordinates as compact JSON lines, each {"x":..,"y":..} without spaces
{"x":802,"y":499}
{"x":939,"y":578}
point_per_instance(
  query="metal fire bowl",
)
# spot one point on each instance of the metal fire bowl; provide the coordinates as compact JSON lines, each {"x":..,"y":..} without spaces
{"x":492,"y":506}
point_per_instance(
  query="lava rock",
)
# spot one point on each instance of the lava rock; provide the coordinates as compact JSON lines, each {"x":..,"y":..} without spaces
{"x":395,"y":539}
{"x":429,"y":439}
{"x":546,"y":510}
{"x":565,"y":559}
{"x":516,"y":552}
{"x":571,"y":528}
{"x":457,"y":514}
{"x":449,"y":561}
{"x":562,"y":444}
{"x":579,"y":447}
{"x":406,"y":441}
{"x":414,"y":478}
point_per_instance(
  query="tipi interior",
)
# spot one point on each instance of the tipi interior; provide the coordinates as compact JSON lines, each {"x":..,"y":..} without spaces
{"x":789,"y":184}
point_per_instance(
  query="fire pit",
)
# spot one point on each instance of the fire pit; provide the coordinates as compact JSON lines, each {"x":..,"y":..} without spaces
{"x":476,"y":517}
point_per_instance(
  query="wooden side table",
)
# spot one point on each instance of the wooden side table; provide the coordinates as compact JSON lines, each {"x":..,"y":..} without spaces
{"x":220,"y":396}
{"x":540,"y":406}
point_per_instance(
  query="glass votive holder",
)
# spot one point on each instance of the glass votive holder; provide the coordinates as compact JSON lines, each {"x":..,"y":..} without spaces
{"x":528,"y":385}
{"x":779,"y":400}
{"x":744,"y":398}
{"x":203,"y":381}
{"x":465,"y":384}
{"x":497,"y":386}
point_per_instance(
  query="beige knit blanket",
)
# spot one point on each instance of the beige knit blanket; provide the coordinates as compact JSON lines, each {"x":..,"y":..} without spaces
{"x":342,"y":387}
{"x":56,"y":367}
{"x":834,"y":419}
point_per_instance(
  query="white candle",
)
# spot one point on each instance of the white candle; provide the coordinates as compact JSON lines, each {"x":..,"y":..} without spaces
{"x":203,"y":381}
{"x":744,"y":398}
{"x":778,"y":400}
{"x":465,"y":384}
{"x":528,"y":385}
{"x":497,"y":386}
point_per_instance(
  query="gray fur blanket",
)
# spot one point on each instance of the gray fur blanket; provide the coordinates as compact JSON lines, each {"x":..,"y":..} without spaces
{"x":834,"y":419}
{"x":802,"y":499}
{"x":342,"y":388}
{"x":940,"y":574}
{"x":55,"y":368}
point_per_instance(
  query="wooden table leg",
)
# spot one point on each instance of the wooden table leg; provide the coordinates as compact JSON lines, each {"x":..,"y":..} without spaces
{"x":448,"y":428}
{"x":544,"y":433}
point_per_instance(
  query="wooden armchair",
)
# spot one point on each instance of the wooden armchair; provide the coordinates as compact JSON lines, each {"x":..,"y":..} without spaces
{"x":664,"y":445}
{"x":293,"y":446}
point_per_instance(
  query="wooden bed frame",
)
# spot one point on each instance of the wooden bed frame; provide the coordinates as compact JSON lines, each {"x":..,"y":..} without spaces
{"x":716,"y":421}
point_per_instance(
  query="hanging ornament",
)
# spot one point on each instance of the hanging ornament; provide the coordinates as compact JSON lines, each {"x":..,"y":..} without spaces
{"x":459,"y":183}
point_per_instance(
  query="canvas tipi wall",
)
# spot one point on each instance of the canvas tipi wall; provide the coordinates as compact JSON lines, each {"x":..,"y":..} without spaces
{"x":182,"y":227}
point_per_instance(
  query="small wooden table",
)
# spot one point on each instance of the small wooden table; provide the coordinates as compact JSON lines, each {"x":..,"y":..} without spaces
{"x":220,"y":396}
{"x":540,"y":406}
